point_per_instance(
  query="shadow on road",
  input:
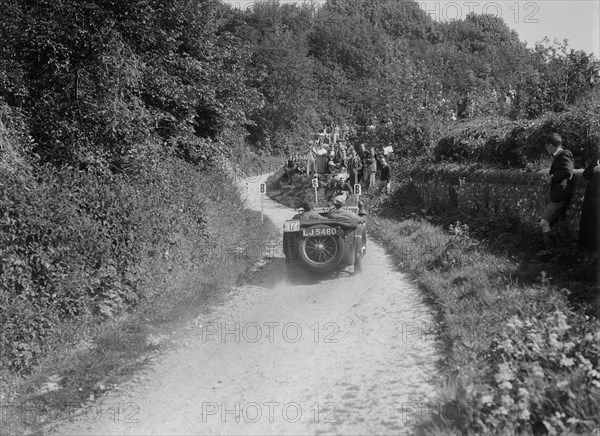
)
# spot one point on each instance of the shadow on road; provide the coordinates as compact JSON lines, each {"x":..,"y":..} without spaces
{"x":275,"y":271}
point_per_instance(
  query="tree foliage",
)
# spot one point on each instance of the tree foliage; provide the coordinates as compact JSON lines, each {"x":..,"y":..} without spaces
{"x":98,"y":78}
{"x":376,"y":62}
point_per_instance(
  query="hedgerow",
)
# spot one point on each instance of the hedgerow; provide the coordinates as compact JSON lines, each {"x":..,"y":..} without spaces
{"x":77,"y":245}
{"x":519,"y":144}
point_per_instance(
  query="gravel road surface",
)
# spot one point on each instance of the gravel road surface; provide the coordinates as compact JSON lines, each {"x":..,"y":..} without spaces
{"x":339,"y":354}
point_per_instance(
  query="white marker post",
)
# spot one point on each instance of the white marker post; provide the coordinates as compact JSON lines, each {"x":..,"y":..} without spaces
{"x":263,"y":191}
{"x":357,"y":192}
{"x":315,"y":184}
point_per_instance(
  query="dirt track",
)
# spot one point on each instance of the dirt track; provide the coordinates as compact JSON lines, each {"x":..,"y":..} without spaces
{"x":329,"y":355}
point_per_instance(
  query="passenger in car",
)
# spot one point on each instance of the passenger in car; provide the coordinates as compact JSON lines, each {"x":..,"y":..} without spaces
{"x":346,"y":217}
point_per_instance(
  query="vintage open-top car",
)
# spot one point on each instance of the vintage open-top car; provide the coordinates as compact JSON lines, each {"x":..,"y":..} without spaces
{"x":322,"y":245}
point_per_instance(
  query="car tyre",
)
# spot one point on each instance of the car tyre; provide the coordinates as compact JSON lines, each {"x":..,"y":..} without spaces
{"x":290,"y":247}
{"x":322,"y":253}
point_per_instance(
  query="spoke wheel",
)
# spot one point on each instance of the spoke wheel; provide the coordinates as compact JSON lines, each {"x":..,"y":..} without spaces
{"x":321,"y":249}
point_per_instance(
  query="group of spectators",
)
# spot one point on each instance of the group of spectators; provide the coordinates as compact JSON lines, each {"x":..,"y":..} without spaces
{"x":348,"y":166}
{"x":341,"y":165}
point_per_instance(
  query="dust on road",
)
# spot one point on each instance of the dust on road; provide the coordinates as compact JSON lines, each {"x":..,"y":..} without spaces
{"x":330,"y":355}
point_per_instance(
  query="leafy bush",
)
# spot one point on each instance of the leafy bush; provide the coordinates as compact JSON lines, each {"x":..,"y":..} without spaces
{"x":90,"y":244}
{"x":66,"y":252}
{"x":530,"y":351}
{"x":505,"y":143}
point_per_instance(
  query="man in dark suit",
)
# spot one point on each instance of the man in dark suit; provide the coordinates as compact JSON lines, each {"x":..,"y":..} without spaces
{"x":349,"y":218}
{"x":385,"y":176}
{"x":560,"y":189}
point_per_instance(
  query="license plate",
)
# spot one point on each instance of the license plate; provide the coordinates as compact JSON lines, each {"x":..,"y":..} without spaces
{"x":310,"y":233}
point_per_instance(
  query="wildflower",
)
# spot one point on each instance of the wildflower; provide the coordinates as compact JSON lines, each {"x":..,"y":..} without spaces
{"x":504,"y":373}
{"x":566,"y":361}
{"x":586,"y":363}
{"x":554,"y":342}
{"x":537,"y":370}
{"x":534,"y":342}
{"x":505,"y":385}
{"x":549,"y":427}
{"x":502,"y":411}
{"x":486,"y":399}
{"x":506,"y":400}
{"x":561,"y":323}
{"x":514,"y":323}
{"x":561,"y":384}
{"x":507,"y":345}
{"x":593,"y":374}
{"x":568,"y":346}
{"x":524,"y":415}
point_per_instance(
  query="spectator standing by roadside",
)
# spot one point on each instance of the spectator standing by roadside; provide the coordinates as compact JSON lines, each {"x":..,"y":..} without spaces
{"x":311,"y":156}
{"x":361,"y":153}
{"x":331,"y":164}
{"x":560,"y":190}
{"x":589,"y":232}
{"x":299,"y":167}
{"x":343,"y":160}
{"x":371,"y":164}
{"x":335,"y":134}
{"x":364,"y":178}
{"x":354,"y":166}
{"x":385,"y":176}
{"x":362,"y":149}
{"x":345,"y":132}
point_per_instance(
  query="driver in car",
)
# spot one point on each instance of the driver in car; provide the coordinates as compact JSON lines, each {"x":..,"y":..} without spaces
{"x":309,"y":213}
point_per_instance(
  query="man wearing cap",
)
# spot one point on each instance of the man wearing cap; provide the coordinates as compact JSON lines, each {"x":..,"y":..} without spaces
{"x":346,"y":217}
{"x":309,"y":213}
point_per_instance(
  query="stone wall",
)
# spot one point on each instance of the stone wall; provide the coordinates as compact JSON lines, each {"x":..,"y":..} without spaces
{"x":493,"y":194}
